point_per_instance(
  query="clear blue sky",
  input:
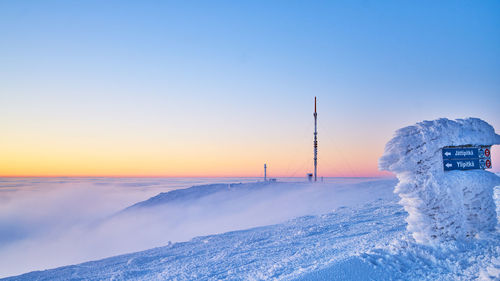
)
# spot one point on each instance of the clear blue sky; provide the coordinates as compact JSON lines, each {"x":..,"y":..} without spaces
{"x":176,"y":87}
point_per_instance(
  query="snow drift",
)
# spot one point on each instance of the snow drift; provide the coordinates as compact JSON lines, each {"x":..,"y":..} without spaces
{"x":442,"y":206}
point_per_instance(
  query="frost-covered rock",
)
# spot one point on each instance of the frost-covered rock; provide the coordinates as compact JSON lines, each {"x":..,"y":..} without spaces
{"x":442,"y":205}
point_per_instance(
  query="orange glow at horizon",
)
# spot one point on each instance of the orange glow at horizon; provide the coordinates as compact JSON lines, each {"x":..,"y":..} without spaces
{"x":204,"y":150}
{"x":207,"y":167}
{"x":48,"y":159}
{"x":99,"y":159}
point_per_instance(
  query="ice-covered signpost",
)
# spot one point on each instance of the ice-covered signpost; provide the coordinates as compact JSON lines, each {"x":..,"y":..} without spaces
{"x":442,"y":182}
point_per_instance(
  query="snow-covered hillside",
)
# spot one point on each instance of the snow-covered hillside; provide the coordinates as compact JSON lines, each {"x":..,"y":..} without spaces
{"x":362,"y":240}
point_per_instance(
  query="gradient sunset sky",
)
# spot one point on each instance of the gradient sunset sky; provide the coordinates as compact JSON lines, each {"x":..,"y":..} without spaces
{"x":218,"y":88}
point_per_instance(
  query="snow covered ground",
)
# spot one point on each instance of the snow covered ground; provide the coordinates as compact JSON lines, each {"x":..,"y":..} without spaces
{"x":339,"y":230}
{"x":51,"y":222}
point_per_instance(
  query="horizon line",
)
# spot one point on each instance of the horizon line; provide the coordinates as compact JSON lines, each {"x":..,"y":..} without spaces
{"x":165,"y":176}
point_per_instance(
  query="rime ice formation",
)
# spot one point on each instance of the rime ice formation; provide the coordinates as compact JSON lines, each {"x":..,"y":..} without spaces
{"x":442,"y":205}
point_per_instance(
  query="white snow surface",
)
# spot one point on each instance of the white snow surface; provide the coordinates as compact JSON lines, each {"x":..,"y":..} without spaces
{"x":364,"y":239}
{"x":442,"y":206}
{"x":47,"y":223}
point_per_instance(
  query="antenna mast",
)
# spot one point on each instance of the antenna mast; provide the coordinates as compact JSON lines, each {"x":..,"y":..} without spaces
{"x":315,"y":142}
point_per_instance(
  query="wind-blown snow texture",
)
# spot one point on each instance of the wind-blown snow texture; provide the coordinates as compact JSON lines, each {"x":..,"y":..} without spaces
{"x":365,"y":241}
{"x":442,"y":205}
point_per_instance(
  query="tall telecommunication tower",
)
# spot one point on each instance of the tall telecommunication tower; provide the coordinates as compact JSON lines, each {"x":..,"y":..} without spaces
{"x":315,"y":142}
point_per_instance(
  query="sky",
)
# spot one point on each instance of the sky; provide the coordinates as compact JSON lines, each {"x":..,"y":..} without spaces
{"x":218,"y":88}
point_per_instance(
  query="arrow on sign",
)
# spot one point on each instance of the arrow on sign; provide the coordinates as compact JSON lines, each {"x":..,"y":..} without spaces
{"x":448,"y":165}
{"x":460,"y":152}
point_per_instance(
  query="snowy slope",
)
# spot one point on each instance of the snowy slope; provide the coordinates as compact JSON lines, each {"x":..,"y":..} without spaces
{"x":235,"y":191}
{"x":362,"y":241}
{"x":278,"y":251}
{"x":70,"y":223}
{"x":200,"y":191}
